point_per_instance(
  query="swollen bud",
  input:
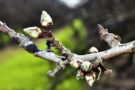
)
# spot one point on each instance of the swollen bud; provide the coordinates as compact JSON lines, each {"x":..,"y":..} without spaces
{"x":45,"y":19}
{"x":93,"y":50}
{"x":108,"y":72}
{"x":79,"y":75}
{"x":86,"y":66}
{"x":76,"y":63}
{"x":90,"y":78}
{"x":33,"y":31}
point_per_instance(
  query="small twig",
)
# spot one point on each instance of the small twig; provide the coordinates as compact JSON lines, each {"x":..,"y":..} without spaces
{"x":110,"y":38}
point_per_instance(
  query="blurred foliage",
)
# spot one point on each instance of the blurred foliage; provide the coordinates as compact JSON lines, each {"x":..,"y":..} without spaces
{"x":4,"y":40}
{"x":73,"y":36}
{"x":20,"y":70}
{"x":117,"y":15}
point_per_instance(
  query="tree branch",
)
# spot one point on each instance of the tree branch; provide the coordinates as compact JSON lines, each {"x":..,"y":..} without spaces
{"x":25,"y":42}
{"x":108,"y":54}
{"x":89,"y":65}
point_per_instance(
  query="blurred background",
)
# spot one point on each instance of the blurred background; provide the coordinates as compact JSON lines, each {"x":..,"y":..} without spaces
{"x":75,"y":24}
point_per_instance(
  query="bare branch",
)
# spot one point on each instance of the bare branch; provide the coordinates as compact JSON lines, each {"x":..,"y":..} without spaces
{"x":108,"y":54}
{"x":89,"y":65}
{"x":25,"y":42}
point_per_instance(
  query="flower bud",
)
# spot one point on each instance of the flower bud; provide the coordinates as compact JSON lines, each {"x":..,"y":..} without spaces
{"x":93,"y":50}
{"x":79,"y":75}
{"x":45,"y":19}
{"x":90,"y":78}
{"x":86,"y":66}
{"x":33,"y":31}
{"x":75,"y":63}
{"x":108,"y":72}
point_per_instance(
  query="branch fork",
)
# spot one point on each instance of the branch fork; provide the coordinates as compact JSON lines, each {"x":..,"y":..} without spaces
{"x":89,"y":66}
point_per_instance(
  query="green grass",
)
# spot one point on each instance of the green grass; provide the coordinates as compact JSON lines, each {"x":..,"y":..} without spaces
{"x":22,"y":71}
